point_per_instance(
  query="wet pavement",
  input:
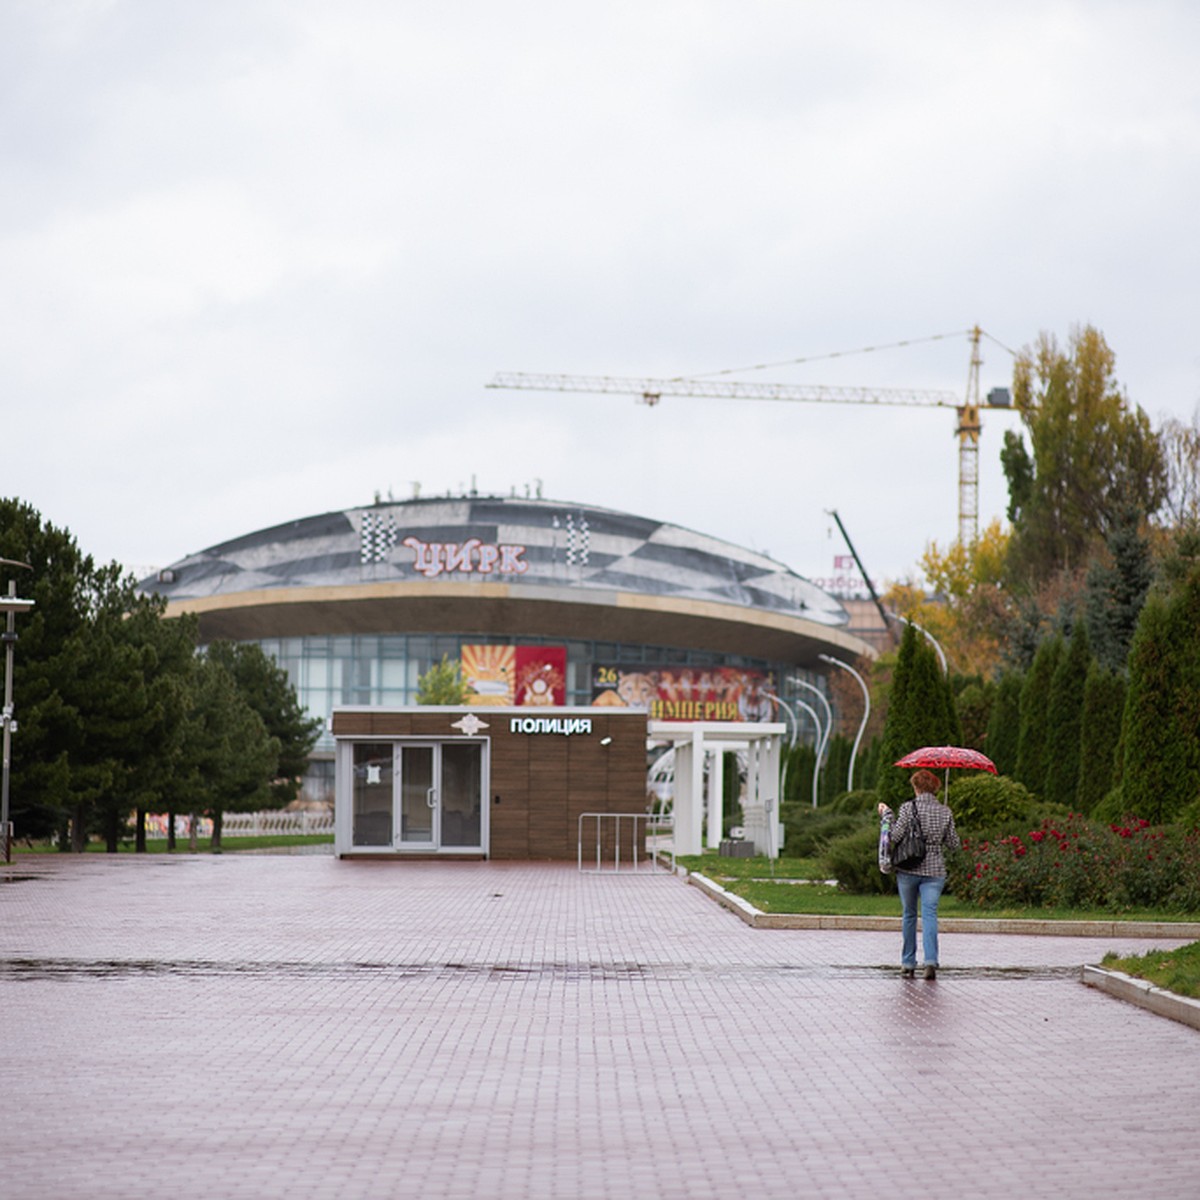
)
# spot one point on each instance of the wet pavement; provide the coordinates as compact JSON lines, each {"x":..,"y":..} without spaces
{"x":268,"y":1026}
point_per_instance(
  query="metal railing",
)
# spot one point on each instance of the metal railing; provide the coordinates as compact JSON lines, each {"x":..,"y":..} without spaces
{"x":625,"y":842}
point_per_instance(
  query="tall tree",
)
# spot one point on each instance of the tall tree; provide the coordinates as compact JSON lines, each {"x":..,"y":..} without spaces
{"x":265,"y":686}
{"x":968,"y":611}
{"x":1004,"y":724}
{"x":920,"y":713}
{"x":1090,"y":453}
{"x":1100,"y":732}
{"x":89,"y":681}
{"x":1117,"y":583}
{"x":1160,"y":734}
{"x":1035,"y":705}
{"x":1181,"y":454}
{"x":229,"y":759}
{"x":1064,"y":719}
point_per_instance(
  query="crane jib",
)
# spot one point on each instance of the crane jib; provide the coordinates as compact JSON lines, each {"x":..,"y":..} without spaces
{"x":725,"y":390}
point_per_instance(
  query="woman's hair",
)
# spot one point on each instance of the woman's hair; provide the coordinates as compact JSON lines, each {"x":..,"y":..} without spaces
{"x":925,"y":781}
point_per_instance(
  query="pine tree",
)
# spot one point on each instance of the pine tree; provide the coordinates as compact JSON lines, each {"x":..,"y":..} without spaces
{"x":1035,"y":704}
{"x":1116,"y":590}
{"x":1100,"y":731}
{"x":1064,"y":713}
{"x":266,"y":688}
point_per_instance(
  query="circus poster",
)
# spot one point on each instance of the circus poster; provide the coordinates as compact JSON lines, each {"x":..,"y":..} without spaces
{"x":515,"y":675}
{"x":687,"y":693}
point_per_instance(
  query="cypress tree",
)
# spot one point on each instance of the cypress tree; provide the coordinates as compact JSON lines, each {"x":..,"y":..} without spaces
{"x":891,"y":783}
{"x":1160,"y":733}
{"x":1103,"y":707}
{"x":1035,"y":704}
{"x":1004,"y":724}
{"x":921,"y":712}
{"x":1064,"y":719}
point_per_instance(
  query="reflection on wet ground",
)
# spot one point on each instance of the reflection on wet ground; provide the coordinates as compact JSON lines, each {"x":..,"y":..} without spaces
{"x":75,"y":968}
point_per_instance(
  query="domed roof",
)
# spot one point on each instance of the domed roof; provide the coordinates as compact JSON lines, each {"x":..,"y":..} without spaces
{"x":495,"y":539}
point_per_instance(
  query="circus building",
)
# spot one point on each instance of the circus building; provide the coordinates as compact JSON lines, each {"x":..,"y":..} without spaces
{"x":547,"y":605}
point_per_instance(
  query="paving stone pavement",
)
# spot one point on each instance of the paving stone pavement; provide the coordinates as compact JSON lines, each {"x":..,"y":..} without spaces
{"x":303,"y":1027}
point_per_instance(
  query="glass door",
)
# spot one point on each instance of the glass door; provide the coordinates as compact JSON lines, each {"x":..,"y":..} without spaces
{"x":416,"y":797}
{"x":439,"y":796}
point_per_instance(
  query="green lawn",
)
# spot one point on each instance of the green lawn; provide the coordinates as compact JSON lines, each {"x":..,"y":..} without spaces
{"x":777,"y":888}
{"x":1177,"y":971}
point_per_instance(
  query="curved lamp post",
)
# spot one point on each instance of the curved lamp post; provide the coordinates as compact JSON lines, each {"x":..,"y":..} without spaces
{"x":812,"y":712}
{"x":837,"y":662}
{"x":824,"y":734}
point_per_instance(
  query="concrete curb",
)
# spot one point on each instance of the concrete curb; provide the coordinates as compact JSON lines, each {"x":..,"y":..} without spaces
{"x":1186,"y":930}
{"x":1143,"y":994}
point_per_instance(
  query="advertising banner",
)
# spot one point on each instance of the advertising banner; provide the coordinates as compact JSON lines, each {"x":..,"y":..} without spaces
{"x":507,"y":675}
{"x":687,"y":693}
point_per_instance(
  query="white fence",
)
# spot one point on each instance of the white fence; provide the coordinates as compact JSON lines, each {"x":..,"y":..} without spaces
{"x":258,"y":824}
{"x":624,"y":842}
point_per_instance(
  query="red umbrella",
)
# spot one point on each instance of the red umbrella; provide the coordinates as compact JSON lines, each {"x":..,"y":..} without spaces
{"x":939,"y":757}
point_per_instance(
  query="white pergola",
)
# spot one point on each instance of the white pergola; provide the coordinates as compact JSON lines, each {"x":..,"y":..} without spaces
{"x":703,"y":744}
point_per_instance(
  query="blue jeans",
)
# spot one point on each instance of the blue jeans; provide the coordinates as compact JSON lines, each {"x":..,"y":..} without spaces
{"x":928,"y":888}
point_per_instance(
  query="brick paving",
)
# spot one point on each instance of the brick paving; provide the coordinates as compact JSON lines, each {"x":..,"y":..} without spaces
{"x":303,"y":1027}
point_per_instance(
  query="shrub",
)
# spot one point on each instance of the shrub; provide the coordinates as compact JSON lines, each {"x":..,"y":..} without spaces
{"x":982,"y":802}
{"x":808,"y":829}
{"x":853,"y":861}
{"x":861,"y":800}
{"x":1078,"y":863}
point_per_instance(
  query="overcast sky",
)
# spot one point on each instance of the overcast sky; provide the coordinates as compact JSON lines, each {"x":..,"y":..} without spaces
{"x":260,"y":257}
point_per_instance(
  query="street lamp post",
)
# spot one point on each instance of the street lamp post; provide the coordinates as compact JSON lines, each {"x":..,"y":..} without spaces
{"x":837,"y":662}
{"x":10,"y":606}
{"x":824,"y":734}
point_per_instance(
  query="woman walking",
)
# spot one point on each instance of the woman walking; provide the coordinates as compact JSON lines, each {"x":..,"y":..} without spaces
{"x":922,"y":881}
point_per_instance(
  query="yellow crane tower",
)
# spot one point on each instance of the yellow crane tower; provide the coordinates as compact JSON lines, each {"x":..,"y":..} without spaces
{"x":968,"y":409}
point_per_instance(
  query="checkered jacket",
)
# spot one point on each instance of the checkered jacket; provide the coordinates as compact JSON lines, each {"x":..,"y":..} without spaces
{"x":937,"y":824}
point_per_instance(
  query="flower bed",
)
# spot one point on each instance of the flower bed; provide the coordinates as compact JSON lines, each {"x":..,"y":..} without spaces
{"x":1076,"y":863}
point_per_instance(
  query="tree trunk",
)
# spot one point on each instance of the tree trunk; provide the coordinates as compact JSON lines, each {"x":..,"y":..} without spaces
{"x":216,"y":833}
{"x":139,"y":843}
{"x":170,"y":831}
{"x":193,"y":833}
{"x":78,"y":831}
{"x":112,"y":831}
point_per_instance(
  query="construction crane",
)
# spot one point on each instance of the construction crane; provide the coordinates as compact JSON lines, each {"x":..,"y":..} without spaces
{"x":968,"y":409}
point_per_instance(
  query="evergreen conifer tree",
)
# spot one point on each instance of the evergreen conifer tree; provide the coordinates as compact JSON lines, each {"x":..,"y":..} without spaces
{"x":1100,"y":731}
{"x":1035,"y":704}
{"x":1004,"y":724}
{"x":921,"y":712}
{"x":1064,"y":712}
{"x":1116,"y":590}
{"x":1160,"y":733}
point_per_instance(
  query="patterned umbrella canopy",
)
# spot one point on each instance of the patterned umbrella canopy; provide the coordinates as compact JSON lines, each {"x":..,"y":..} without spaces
{"x":947,"y":756}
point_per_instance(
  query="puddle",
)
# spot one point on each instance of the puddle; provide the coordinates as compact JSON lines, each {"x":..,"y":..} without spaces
{"x":19,"y":969}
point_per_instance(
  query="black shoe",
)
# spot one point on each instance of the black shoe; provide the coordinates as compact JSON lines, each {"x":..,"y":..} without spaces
{"x":908,"y":972}
{"x":930,"y":970}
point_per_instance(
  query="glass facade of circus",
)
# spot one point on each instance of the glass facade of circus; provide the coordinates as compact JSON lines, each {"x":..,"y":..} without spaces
{"x":384,"y":669}
{"x":357,"y":605}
